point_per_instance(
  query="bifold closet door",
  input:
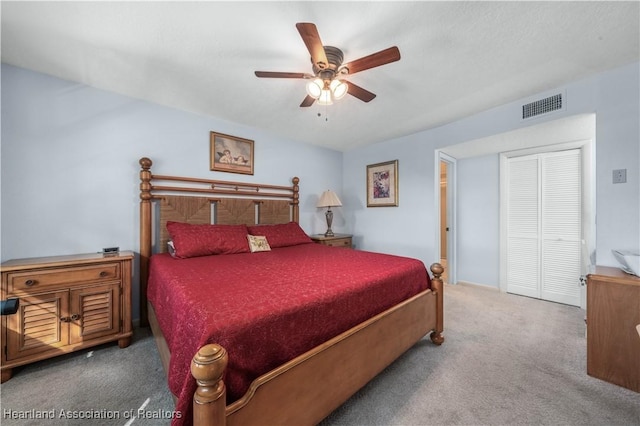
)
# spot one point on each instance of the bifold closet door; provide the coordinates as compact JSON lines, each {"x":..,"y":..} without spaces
{"x":544,"y":230}
{"x":523,"y":243}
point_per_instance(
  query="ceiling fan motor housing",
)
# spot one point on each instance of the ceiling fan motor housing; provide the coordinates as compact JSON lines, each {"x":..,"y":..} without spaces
{"x":335,"y":58}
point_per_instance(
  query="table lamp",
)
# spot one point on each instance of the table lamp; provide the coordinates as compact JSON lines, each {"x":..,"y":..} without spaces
{"x":329,"y":199}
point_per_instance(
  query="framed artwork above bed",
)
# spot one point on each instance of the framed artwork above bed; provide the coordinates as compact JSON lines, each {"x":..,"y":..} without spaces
{"x":231,"y":154}
{"x":382,"y":184}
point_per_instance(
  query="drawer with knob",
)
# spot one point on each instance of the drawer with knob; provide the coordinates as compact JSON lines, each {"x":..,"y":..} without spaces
{"x":336,"y":240}
{"x":46,"y":279}
{"x":339,"y":242}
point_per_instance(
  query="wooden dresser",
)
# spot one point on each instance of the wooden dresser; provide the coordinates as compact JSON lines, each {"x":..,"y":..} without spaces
{"x":613,"y":312}
{"x":337,"y":240}
{"x":66,"y":303}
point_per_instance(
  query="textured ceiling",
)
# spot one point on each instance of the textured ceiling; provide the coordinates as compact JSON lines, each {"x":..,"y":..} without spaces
{"x":458,"y":58}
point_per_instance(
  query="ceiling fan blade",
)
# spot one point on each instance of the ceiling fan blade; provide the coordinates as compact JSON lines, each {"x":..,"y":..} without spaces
{"x":272,"y":74}
{"x":311,"y":38}
{"x":307,"y":102}
{"x":360,"y":93}
{"x":382,"y":57}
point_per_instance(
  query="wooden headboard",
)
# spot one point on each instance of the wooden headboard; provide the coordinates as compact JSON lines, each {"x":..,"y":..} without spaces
{"x":197,"y":201}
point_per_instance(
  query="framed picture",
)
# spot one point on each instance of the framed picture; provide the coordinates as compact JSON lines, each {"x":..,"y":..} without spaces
{"x":382,"y":184}
{"x":231,"y":154}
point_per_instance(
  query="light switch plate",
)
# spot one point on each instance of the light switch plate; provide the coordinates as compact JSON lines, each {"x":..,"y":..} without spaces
{"x":620,"y":176}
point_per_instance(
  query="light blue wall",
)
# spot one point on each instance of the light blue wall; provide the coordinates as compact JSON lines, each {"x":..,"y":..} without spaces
{"x":70,"y":181}
{"x":70,"y":170}
{"x":478,"y":183}
{"x":410,"y":228}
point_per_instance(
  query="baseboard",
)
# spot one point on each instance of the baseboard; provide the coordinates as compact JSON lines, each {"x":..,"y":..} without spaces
{"x":471,"y":284}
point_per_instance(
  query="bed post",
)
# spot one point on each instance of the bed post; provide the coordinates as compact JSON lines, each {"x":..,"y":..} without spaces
{"x":296,"y":199}
{"x":145,"y":235}
{"x":209,"y":400}
{"x":438,"y":287}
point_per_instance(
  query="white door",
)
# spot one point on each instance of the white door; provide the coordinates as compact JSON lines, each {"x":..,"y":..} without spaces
{"x":561,"y":227}
{"x":544,"y":226}
{"x":523,"y":223}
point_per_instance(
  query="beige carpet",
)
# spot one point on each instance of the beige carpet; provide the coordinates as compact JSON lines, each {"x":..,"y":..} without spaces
{"x":507,"y":360}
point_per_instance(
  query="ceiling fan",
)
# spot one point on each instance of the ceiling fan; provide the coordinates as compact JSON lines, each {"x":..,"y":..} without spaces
{"x":328,"y":81}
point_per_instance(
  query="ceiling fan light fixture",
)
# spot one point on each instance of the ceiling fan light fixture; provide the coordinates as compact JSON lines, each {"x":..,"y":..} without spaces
{"x":339,"y":88}
{"x":326,"y":91}
{"x":314,"y":88}
{"x":326,"y":84}
{"x":326,"y":97}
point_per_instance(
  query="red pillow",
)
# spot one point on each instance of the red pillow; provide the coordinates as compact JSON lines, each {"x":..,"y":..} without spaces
{"x":281,"y":235}
{"x":202,"y":240}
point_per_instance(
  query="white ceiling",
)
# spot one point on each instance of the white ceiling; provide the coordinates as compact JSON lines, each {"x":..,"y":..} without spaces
{"x":458,"y":58}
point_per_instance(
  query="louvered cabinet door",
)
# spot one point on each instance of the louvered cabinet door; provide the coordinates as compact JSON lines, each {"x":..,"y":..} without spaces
{"x":66,"y":303}
{"x":39,"y":326}
{"x":94,"y":312}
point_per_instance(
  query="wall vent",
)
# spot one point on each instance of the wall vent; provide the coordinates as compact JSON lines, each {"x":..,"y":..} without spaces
{"x":542,"y":106}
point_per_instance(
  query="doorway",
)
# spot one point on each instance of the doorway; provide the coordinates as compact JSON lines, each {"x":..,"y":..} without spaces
{"x":444,"y":223}
{"x":446,"y":213}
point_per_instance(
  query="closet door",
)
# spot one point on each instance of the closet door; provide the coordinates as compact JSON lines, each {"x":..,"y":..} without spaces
{"x":544,"y":226}
{"x":523,"y":244}
{"x":561,"y":226}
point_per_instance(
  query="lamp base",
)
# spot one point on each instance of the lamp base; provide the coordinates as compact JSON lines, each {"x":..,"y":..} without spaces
{"x":329,"y":216}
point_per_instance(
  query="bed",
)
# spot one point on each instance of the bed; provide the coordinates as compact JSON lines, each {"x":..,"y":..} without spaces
{"x":254,"y":322}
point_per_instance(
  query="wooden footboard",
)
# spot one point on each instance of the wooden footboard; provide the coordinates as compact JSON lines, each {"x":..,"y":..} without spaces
{"x":308,"y":388}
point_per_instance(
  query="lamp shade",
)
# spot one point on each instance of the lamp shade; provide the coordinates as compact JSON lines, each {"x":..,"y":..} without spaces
{"x":329,"y":199}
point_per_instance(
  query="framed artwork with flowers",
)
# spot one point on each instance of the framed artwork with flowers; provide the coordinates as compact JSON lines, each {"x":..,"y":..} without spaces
{"x":382,"y":184}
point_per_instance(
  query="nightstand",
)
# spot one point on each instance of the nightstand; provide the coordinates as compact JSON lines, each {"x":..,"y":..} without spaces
{"x":338,"y":240}
{"x":66,"y":303}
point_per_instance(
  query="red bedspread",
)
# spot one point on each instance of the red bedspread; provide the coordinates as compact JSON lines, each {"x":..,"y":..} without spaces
{"x":266,"y":308}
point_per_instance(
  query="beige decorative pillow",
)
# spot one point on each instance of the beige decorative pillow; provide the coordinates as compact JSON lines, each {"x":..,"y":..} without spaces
{"x":258,"y":243}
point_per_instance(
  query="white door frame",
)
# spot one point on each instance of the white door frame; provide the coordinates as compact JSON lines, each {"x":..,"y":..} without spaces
{"x":451,"y":213}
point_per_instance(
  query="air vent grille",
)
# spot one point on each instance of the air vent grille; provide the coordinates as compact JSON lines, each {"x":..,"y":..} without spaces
{"x":543,"y":106}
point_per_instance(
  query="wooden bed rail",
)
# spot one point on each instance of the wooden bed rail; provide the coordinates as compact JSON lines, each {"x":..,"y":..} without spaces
{"x":211,"y":186}
{"x":209,"y":363}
